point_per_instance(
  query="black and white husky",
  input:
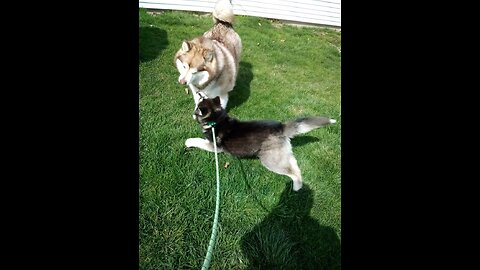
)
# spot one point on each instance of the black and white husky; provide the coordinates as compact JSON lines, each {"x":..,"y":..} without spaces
{"x":267,"y":139}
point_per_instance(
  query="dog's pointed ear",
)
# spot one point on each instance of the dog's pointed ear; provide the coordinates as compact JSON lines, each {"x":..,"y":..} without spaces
{"x":208,"y":55}
{"x":186,"y":46}
{"x":216,"y":101}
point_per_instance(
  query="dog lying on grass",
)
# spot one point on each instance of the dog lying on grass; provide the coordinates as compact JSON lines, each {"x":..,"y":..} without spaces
{"x":269,"y":140}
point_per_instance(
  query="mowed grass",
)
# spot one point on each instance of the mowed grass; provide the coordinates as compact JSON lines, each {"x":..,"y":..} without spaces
{"x":286,"y":72}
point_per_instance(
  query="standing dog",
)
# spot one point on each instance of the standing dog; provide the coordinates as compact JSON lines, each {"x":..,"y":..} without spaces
{"x":210,"y":63}
{"x":269,"y":140}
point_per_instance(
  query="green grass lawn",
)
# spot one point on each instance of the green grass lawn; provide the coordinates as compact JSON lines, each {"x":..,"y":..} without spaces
{"x":285,"y":72}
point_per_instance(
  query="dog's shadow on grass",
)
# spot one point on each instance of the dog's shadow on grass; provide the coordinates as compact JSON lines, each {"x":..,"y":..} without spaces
{"x":152,"y":40}
{"x":289,"y":238}
{"x":241,"y":92}
{"x":302,"y":140}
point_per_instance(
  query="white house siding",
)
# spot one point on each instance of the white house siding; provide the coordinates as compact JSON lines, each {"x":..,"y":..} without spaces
{"x":321,"y":12}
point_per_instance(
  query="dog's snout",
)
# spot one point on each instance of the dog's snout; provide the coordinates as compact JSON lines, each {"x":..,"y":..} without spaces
{"x":182,"y":81}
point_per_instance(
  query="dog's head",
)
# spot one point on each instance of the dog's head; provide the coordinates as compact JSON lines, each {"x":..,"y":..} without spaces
{"x":195,"y":62}
{"x":209,"y":111}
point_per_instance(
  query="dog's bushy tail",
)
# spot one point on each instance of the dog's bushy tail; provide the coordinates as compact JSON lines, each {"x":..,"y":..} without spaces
{"x":305,"y":124}
{"x":223,"y":12}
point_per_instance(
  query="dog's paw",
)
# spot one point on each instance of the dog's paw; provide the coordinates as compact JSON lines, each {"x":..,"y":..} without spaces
{"x":297,"y":186}
{"x":190,"y":142}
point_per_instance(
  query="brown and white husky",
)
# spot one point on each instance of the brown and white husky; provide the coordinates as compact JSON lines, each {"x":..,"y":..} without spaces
{"x":210,"y":63}
{"x":267,"y":139}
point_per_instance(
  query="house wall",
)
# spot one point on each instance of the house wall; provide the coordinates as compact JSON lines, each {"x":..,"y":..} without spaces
{"x":321,"y":12}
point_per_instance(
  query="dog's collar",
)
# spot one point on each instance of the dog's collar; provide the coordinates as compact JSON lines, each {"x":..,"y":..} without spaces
{"x":209,"y":125}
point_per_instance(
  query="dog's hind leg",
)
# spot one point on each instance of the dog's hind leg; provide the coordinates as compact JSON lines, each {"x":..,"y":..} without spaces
{"x":296,"y":173}
{"x":202,"y":144}
{"x":285,"y":165}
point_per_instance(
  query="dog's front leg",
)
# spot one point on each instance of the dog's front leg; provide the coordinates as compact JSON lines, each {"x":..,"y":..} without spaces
{"x":224,"y":101}
{"x":196,"y":96}
{"x":202,"y":144}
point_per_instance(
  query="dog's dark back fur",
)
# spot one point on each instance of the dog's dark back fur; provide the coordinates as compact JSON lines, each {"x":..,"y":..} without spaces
{"x":239,"y":138}
{"x":245,"y":138}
